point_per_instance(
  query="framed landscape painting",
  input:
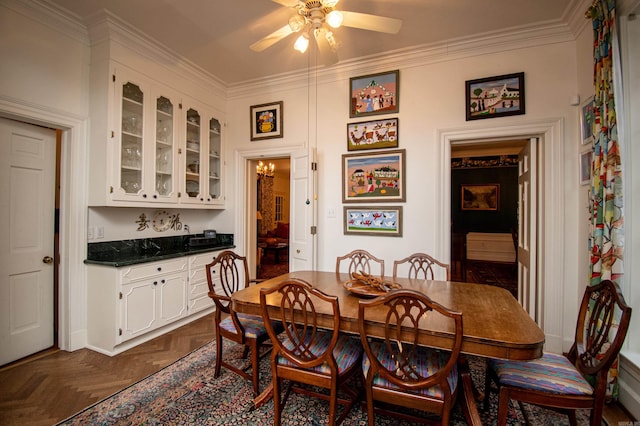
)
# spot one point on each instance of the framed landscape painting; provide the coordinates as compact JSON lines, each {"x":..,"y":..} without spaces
{"x":375,"y":134}
{"x":374,"y":94}
{"x":480,"y":197}
{"x":498,"y":96}
{"x":379,"y":221}
{"x":373,"y":177}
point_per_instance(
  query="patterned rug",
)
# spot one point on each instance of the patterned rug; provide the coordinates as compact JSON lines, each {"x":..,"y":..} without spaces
{"x":185,"y":393}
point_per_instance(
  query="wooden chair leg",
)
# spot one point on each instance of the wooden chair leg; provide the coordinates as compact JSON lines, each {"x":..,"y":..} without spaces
{"x":503,"y":406}
{"x":487,"y":387}
{"x":216,"y":371}
{"x":255,"y":367}
{"x":277,"y":405}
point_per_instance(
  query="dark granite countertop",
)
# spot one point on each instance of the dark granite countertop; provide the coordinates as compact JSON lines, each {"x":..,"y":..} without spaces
{"x":131,"y":252}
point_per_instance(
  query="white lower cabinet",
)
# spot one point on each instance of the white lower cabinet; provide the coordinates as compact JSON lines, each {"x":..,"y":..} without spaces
{"x":198,"y":287}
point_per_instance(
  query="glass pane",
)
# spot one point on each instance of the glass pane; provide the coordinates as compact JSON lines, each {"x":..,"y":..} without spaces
{"x":192,"y":184}
{"x":214,"y":158}
{"x":164,"y":146}
{"x":131,"y":138}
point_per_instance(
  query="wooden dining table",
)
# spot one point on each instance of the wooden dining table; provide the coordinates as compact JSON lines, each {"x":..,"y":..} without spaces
{"x":494,"y":323}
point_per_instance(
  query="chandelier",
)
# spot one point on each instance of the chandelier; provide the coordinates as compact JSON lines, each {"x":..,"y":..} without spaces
{"x":265,"y":170}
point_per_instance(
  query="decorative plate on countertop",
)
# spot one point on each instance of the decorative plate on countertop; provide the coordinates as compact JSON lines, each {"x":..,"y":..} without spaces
{"x":161,"y":221}
{"x":361,"y":289}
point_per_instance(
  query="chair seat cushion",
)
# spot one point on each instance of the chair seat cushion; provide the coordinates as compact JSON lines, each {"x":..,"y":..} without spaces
{"x":427,"y":361}
{"x":346,"y":352}
{"x":552,"y":373}
{"x":253,"y":325}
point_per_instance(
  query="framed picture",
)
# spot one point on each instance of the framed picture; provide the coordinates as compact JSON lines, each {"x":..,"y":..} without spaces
{"x":373,"y":177}
{"x":266,"y":121}
{"x":375,"y":134}
{"x":585,"y":167}
{"x":374,"y":94}
{"x":480,"y":197}
{"x":587,"y":120}
{"x":495,"y":96}
{"x":382,"y":221}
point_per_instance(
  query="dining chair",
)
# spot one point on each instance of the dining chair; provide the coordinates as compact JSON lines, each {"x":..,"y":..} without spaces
{"x":420,"y":266}
{"x":229,"y":273}
{"x":563,"y":383}
{"x":306,"y":354}
{"x":399,"y":371}
{"x":360,"y":261}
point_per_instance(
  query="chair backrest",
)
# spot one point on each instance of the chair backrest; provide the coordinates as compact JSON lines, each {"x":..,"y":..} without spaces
{"x":598,"y":339}
{"x":420,"y":266}
{"x":406,"y":311}
{"x":297,"y":312}
{"x":360,"y":261}
{"x":229,"y":272}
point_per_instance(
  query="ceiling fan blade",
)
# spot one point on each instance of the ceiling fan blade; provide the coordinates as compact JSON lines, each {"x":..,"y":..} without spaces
{"x":287,"y":3}
{"x":271,"y":39}
{"x":328,"y":56}
{"x":365,"y":21}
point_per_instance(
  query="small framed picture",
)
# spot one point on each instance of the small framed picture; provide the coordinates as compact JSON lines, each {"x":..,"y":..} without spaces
{"x":480,"y":197}
{"x":585,"y":167}
{"x":375,"y":134}
{"x":266,"y":121}
{"x":379,"y":221}
{"x":374,"y":94}
{"x":587,"y":121}
{"x":497,"y":96}
{"x":373,"y":177}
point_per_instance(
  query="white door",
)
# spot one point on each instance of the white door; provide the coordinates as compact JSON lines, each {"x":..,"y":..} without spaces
{"x":302,"y":245}
{"x":27,"y":205}
{"x":527,"y":222}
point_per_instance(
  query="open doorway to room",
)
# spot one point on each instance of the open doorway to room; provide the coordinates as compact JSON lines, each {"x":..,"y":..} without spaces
{"x":484,"y":212}
{"x":273,"y":197}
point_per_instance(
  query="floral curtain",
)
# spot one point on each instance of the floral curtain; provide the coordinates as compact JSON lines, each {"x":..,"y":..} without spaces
{"x":607,"y":237}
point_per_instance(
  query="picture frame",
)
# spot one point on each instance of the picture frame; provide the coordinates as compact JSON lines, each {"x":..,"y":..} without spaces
{"x":585,"y":167}
{"x":480,"y":197}
{"x":374,"y":94}
{"x":498,"y":96}
{"x":374,"y":134}
{"x":587,"y":121}
{"x":372,"y":220}
{"x":368,"y":177}
{"x":266,"y":121}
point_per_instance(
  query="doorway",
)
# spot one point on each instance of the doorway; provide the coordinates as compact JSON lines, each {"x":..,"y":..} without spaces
{"x":31,"y":170}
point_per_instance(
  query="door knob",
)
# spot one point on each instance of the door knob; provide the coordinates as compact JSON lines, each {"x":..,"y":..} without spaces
{"x":47,"y":259}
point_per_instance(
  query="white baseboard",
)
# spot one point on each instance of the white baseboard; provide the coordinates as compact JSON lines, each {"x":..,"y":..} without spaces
{"x":629,"y":381}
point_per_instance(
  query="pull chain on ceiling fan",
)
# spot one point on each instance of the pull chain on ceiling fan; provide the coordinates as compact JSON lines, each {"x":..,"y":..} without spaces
{"x":312,"y":19}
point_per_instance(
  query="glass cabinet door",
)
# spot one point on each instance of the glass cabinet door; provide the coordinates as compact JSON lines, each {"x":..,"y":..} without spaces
{"x":131,"y":138}
{"x":192,"y":158}
{"x":164,"y":179}
{"x":214,"y":159}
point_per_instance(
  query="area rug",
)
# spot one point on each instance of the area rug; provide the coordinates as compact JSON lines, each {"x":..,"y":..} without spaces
{"x":185,"y":393}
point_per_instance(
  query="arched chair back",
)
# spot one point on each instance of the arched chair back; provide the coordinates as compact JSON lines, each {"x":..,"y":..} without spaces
{"x":360,"y":261}
{"x":307,"y":354}
{"x":226,"y":274}
{"x":421,"y":266}
{"x":565,"y":383}
{"x":399,"y":369}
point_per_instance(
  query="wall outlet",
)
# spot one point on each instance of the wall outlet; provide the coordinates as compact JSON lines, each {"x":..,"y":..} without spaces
{"x":90,"y":233}
{"x":100,"y":232}
{"x":331,"y":212}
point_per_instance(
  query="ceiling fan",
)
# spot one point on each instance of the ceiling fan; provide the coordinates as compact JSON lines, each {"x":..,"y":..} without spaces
{"x":315,"y":18}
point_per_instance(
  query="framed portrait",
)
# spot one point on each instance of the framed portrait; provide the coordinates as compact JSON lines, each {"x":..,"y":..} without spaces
{"x":480,"y":197}
{"x":587,"y":121}
{"x":585,"y":167}
{"x":380,"y":221}
{"x":374,"y":94}
{"x":266,"y":121}
{"x":375,"y":134}
{"x":497,"y":96}
{"x":373,"y":177}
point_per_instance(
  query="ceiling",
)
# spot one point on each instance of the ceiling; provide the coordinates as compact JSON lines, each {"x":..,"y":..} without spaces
{"x":216,"y":34}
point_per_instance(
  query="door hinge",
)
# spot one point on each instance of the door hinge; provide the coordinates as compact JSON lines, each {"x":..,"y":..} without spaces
{"x":179,"y":150}
{"x":113,"y":78}
{"x":314,"y":230}
{"x":314,"y":166}
{"x":120,"y":296}
{"x":113,"y":134}
{"x":119,"y":332}
{"x":111,"y":190}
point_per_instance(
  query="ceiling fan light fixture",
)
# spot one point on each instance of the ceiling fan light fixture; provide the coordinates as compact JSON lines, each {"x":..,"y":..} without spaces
{"x":334,"y":18}
{"x":331,"y":40}
{"x":296,"y":23}
{"x":302,"y":43}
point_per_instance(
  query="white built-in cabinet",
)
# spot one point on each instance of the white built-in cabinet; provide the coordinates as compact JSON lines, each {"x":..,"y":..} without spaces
{"x":163,"y":148}
{"x":127,"y":304}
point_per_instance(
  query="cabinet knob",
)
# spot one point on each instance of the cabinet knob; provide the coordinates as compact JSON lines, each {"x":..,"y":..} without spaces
{"x":162,"y":281}
{"x":155,"y":283}
{"x":47,"y":259}
{"x":159,"y":268}
{"x":155,"y":196}
{"x":144,"y":195}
